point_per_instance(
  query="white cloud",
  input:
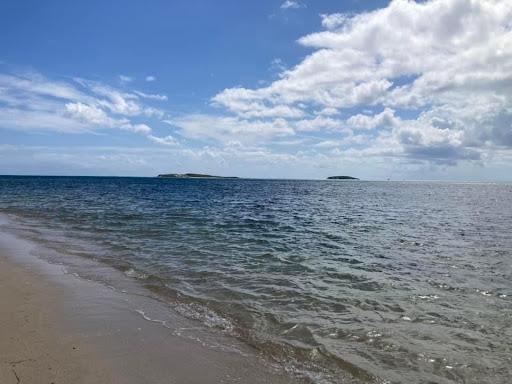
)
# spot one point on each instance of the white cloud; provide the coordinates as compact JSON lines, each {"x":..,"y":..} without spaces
{"x":115,"y":101}
{"x":328,"y":112}
{"x":167,"y":140}
{"x":34,"y":84}
{"x":347,"y":141}
{"x":291,"y":4}
{"x":91,"y":115}
{"x":277,"y":65}
{"x":32,"y":102}
{"x":125,"y":79}
{"x":319,"y":123}
{"x":150,"y":78}
{"x":329,"y":144}
{"x":234,"y":100}
{"x":384,"y":119}
{"x":334,"y":20}
{"x":151,"y":96}
{"x":225,"y":129}
{"x":30,"y":120}
{"x":448,"y":62}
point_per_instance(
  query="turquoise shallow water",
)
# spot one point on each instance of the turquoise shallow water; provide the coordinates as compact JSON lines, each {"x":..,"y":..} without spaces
{"x":390,"y":281}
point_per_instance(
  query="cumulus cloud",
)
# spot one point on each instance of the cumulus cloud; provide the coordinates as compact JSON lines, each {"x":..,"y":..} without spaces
{"x":446,"y":62}
{"x":236,"y":101}
{"x":384,"y":119}
{"x":150,"y":78}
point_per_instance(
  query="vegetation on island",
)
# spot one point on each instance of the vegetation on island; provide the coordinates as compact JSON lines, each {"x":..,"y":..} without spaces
{"x":193,"y":176}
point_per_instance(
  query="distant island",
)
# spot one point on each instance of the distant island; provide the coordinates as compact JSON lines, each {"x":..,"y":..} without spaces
{"x":342,"y":178}
{"x":193,"y":176}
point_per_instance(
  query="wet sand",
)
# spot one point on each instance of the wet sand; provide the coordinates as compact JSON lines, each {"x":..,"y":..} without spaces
{"x":58,"y":328}
{"x":34,"y":348}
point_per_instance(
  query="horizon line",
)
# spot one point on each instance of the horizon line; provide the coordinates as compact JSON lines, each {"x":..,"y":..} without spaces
{"x":266,"y":178}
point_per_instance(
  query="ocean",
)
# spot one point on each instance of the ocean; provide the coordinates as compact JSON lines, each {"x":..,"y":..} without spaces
{"x":386,"y":282}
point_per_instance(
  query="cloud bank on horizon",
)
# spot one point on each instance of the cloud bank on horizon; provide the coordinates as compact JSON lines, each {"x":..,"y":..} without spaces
{"x":411,"y":87}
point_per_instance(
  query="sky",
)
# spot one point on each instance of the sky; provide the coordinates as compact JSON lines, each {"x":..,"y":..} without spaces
{"x":400,"y":90}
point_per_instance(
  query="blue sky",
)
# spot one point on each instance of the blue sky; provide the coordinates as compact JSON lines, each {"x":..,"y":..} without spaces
{"x":376,"y":89}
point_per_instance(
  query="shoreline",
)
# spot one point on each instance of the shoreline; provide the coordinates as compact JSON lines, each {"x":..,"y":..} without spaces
{"x":62,"y":328}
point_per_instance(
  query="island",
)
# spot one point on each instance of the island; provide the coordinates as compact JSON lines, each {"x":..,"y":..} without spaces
{"x":342,"y":178}
{"x":193,"y":176}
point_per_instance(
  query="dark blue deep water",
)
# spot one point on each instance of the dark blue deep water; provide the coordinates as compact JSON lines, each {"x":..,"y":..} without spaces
{"x":404,"y":282}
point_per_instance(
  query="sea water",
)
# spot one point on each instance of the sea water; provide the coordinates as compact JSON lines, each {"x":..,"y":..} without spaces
{"x":399,"y":282}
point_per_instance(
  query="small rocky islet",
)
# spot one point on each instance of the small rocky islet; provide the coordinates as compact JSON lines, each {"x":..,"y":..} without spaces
{"x":193,"y":176}
{"x":342,"y":178}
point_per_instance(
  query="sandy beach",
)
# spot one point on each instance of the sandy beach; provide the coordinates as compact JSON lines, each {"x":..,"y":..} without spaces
{"x":34,"y":347}
{"x":58,"y":328}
